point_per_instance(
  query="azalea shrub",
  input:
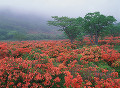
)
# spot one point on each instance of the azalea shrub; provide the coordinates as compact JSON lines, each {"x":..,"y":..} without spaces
{"x":60,"y":64}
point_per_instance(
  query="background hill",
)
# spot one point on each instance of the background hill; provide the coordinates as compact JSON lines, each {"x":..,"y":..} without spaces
{"x":21,"y":26}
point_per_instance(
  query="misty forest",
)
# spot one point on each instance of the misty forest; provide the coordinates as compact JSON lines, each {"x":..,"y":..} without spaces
{"x":59,"y":52}
{"x":18,"y":26}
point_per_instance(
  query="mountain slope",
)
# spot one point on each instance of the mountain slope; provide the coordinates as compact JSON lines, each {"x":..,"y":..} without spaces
{"x":27,"y":24}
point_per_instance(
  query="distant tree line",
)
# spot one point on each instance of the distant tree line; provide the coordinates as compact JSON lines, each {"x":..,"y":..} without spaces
{"x":26,"y":27}
{"x":93,"y":24}
{"x":14,"y":35}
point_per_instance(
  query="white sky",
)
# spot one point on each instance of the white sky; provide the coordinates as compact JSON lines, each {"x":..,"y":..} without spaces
{"x":70,"y":8}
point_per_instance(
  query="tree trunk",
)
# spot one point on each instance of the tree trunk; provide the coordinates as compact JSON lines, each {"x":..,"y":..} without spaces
{"x":96,"y":38}
{"x":91,"y":38}
{"x":71,"y":40}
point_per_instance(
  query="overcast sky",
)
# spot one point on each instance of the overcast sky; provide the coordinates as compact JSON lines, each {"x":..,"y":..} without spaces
{"x":70,"y":8}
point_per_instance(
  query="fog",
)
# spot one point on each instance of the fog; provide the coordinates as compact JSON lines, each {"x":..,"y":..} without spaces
{"x":70,"y":8}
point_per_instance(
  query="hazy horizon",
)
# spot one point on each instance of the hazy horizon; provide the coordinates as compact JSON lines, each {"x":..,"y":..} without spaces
{"x":70,"y":8}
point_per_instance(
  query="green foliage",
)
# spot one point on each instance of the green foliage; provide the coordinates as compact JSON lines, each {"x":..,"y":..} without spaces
{"x":79,"y":56}
{"x":3,"y":34}
{"x":115,"y":30}
{"x":32,"y":56}
{"x":43,"y":36}
{"x":80,"y":36}
{"x":61,"y":83}
{"x":117,"y":47}
{"x":96,"y":24}
{"x":103,"y":64}
{"x":70,"y":26}
{"x":19,"y":36}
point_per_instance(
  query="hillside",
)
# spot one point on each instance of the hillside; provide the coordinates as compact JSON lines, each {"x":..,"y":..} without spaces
{"x":12,"y":24}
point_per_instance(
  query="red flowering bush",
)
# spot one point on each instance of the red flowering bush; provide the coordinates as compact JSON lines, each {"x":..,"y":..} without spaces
{"x":16,"y":72}
{"x":59,"y":64}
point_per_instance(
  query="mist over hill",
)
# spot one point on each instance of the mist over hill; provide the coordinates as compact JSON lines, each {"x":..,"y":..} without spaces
{"x":14,"y":25}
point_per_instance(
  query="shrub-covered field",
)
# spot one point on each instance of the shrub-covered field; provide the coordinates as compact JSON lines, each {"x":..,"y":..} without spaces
{"x":60,"y":64}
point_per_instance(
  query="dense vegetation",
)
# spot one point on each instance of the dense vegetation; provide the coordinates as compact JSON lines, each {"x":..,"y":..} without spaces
{"x":60,"y":64}
{"x":94,"y":25}
{"x":89,"y":58}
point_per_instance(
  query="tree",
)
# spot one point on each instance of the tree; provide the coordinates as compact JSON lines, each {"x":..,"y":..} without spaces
{"x":115,"y":31}
{"x":96,"y":24}
{"x":70,"y":26}
{"x":19,"y":36}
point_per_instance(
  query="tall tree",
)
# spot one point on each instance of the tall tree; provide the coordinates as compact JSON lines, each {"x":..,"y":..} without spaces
{"x":95,"y":24}
{"x":70,"y":26}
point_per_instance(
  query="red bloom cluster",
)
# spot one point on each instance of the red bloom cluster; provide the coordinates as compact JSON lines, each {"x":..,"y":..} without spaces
{"x":52,"y":64}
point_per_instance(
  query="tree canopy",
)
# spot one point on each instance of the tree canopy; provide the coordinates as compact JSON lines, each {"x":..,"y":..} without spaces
{"x":115,"y":31}
{"x":96,"y":24}
{"x":70,"y":26}
{"x":93,"y":24}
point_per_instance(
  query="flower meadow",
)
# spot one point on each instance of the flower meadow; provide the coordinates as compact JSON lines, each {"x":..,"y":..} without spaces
{"x":60,"y":64}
